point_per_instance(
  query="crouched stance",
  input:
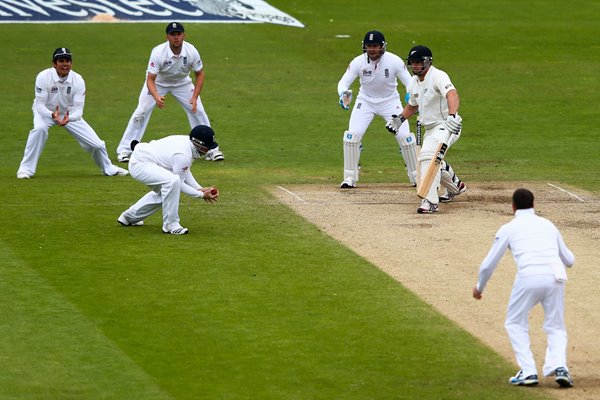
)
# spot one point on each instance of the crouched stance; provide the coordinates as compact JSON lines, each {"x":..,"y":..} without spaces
{"x":164,"y":166}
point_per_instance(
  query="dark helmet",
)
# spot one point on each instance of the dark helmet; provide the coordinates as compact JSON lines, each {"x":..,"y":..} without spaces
{"x":420,"y":54}
{"x":203,"y":138}
{"x":374,"y":37}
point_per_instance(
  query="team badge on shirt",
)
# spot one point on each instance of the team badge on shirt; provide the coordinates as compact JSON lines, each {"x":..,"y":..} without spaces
{"x":387,"y":73}
{"x":69,"y":90}
{"x":184,"y":60}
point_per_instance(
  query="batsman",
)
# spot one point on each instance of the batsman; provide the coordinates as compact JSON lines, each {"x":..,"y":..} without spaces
{"x":433,"y":95}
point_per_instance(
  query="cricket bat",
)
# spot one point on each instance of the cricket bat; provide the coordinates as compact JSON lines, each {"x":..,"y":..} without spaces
{"x":434,"y":167}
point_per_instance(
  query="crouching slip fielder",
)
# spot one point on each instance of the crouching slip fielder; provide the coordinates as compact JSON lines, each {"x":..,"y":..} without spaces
{"x":435,"y":97}
{"x":378,"y":72}
{"x":60,"y":100}
{"x":164,"y":166}
{"x":168,"y":72}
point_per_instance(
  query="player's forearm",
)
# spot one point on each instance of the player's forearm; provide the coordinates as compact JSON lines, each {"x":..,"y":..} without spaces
{"x":453,"y":102}
{"x":151,"y":85}
{"x":199,"y":83}
{"x":76,"y":112}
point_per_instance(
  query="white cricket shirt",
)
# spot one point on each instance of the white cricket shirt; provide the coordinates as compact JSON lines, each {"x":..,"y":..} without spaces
{"x":535,"y":243}
{"x":174,"y":70}
{"x":52,"y":90}
{"x":378,"y":79}
{"x":430,"y":96}
{"x":173,"y":153}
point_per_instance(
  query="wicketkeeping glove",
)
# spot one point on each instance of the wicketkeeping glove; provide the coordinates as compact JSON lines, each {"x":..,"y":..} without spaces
{"x":345,"y":99}
{"x":453,"y":123}
{"x":394,"y":124}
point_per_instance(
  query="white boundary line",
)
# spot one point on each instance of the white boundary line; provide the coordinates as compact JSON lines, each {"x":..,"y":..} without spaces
{"x":293,"y":194}
{"x":569,"y":193}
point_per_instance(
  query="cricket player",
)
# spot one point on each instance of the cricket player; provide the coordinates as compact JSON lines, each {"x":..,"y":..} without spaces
{"x":59,"y":100}
{"x":541,"y":256}
{"x":378,"y":72}
{"x":434,"y":96}
{"x":164,"y":166}
{"x":168,"y":72}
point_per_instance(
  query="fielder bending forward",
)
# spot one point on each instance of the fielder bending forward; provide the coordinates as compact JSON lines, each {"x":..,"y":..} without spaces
{"x":59,"y":100}
{"x":164,"y":166}
{"x":541,"y":256}
{"x":168,"y":72}
{"x":378,"y":71}
{"x":434,"y":96}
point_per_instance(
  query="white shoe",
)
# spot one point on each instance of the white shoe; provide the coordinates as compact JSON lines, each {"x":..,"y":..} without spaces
{"x":214,"y":155}
{"x":121,"y":172}
{"x":123,"y":157}
{"x":178,"y":230}
{"x":348,"y":183}
{"x":23,"y":175}
{"x":125,"y":222}
{"x":426,"y":207}
{"x":448,"y":197}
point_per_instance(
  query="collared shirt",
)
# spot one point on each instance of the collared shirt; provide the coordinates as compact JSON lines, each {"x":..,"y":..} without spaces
{"x":173,"y":153}
{"x":174,"y":70}
{"x":67,"y":93}
{"x":378,"y":79}
{"x":535,"y":243}
{"x":430,"y":96}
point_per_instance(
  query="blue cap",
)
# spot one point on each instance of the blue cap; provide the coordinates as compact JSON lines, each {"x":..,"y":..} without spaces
{"x":174,"y":27}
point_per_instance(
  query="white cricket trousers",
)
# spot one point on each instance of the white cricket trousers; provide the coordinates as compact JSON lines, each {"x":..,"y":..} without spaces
{"x":165,"y":193}
{"x":80,"y":130}
{"x":527,"y":292}
{"x":146,"y":103}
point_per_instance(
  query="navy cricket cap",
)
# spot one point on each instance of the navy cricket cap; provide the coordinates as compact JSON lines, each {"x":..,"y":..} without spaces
{"x":61,"y":52}
{"x":174,"y":27}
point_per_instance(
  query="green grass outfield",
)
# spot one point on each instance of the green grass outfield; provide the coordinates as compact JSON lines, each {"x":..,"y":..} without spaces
{"x":256,"y":303}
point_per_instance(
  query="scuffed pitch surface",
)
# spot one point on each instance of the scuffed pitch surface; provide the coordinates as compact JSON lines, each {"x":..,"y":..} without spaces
{"x":437,"y":257}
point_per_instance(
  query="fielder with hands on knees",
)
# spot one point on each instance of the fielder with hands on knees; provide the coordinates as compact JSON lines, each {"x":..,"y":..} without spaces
{"x":60,"y":100}
{"x":164,"y":165}
{"x":378,"y":71}
{"x":168,"y":72}
{"x":434,"y":96}
{"x":541,"y":256}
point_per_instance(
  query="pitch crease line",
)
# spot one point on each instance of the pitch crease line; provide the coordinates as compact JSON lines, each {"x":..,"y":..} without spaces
{"x":569,"y":193}
{"x":293,"y":194}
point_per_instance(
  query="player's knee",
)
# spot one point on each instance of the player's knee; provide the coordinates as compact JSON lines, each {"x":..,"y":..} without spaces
{"x":352,"y":138}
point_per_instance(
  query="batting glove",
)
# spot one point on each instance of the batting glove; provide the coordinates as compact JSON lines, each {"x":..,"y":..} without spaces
{"x":345,"y":99}
{"x":394,"y":124}
{"x":453,"y":123}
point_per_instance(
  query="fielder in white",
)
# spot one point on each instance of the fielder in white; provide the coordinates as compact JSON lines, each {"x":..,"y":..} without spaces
{"x":59,"y":100}
{"x":541,"y":256}
{"x":434,"y":96}
{"x":164,"y":165}
{"x":169,"y":72}
{"x":378,"y":72}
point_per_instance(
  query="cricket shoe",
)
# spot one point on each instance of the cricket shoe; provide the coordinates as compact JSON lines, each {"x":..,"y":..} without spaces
{"x":448,"y":197}
{"x":520,"y":380}
{"x":178,"y":230}
{"x":23,"y":175}
{"x":125,"y":222}
{"x":348,"y":183}
{"x":121,"y":172}
{"x":123,"y":157}
{"x":214,"y":155}
{"x":427,"y":208}
{"x":563,"y":378}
